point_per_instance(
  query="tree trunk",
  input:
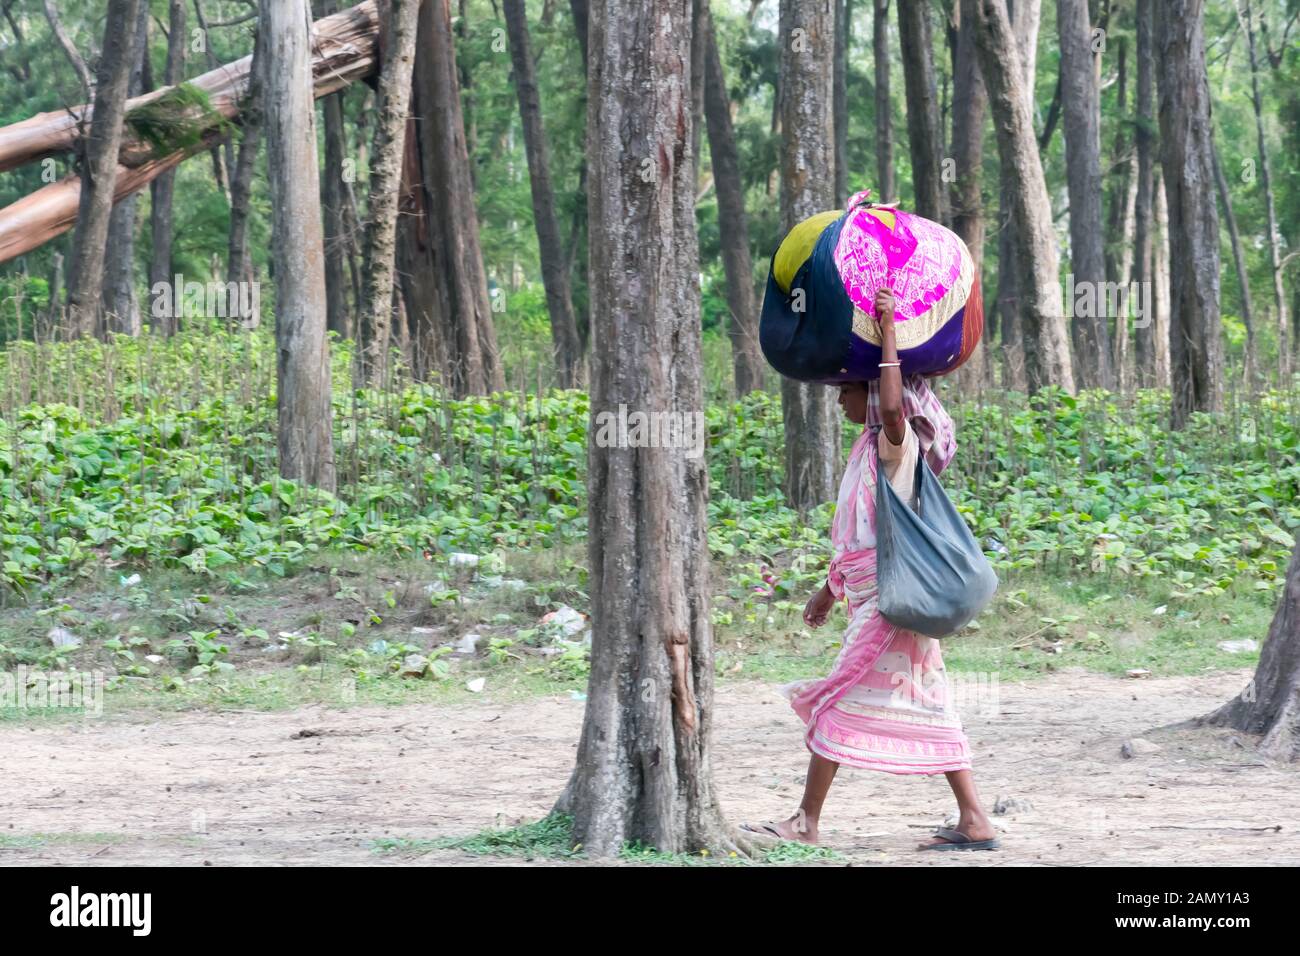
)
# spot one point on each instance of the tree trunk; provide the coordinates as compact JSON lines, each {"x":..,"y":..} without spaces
{"x":555,"y":273}
{"x":1081,"y":110}
{"x":1160,"y":292}
{"x":924,"y":135}
{"x":810,"y":412}
{"x":424,"y":298}
{"x":99,"y":167}
{"x":305,"y":435}
{"x":733,"y":224}
{"x":1243,"y":275}
{"x":1119,"y":220}
{"x":1270,"y":704}
{"x":1266,"y":181}
{"x":120,"y":302}
{"x":453,"y":252}
{"x":239,"y":266}
{"x":886,"y":183}
{"x":643,"y":769}
{"x":1047,"y":349}
{"x":1144,"y":336}
{"x":1195,"y":344}
{"x":163,"y":188}
{"x":376,"y":309}
{"x":840,"y":106}
{"x":339,"y":241}
{"x":970,"y":103}
{"x":1025,"y":16}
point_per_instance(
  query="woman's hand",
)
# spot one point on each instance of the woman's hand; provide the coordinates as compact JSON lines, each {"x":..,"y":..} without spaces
{"x":819,"y":607}
{"x":883,"y":305}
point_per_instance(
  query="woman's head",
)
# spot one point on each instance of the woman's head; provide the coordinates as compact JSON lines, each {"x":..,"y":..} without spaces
{"x":855,"y":397}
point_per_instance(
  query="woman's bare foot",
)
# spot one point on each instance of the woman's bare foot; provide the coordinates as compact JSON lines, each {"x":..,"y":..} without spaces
{"x":976,"y":828}
{"x":798,"y":828}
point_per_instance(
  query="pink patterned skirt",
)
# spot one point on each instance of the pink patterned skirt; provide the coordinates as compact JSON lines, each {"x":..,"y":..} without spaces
{"x":887,"y":704}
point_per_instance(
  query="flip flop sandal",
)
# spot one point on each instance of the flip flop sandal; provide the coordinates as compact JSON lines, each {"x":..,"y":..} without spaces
{"x":960,"y":841}
{"x":766,"y":830}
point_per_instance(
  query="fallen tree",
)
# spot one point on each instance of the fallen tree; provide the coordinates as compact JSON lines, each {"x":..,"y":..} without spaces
{"x":166,"y":127}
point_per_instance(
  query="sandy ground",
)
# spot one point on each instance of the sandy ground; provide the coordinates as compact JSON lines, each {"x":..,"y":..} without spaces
{"x":236,"y":788}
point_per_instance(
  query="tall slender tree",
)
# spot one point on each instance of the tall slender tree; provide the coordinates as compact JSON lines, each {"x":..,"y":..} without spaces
{"x":924,"y":130}
{"x":99,"y":167}
{"x":1284,"y":350}
{"x":643,"y":769}
{"x":886,"y":183}
{"x":810,"y":413}
{"x":1081,"y":108}
{"x":733,"y":224}
{"x":1195,"y":332}
{"x":376,"y":309}
{"x":969,"y":109}
{"x":1047,"y":349}
{"x":555,"y":272}
{"x":1144,"y":340}
{"x":340,"y":241}
{"x":163,"y":189}
{"x":120,"y":302}
{"x":305,"y":434}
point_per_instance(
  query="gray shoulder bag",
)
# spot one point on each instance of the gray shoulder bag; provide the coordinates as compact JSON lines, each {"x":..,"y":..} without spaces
{"x":933,"y":577}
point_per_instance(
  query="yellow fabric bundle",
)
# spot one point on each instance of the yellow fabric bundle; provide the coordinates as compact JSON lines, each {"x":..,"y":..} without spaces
{"x":797,"y":246}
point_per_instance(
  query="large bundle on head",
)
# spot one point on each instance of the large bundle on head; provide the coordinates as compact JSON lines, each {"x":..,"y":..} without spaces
{"x":818,"y":321}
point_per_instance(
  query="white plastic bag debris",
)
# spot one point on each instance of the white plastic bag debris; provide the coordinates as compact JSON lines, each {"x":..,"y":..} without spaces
{"x":62,"y":637}
{"x":568,"y":621}
{"x":459,"y":559}
{"x":476,"y":685}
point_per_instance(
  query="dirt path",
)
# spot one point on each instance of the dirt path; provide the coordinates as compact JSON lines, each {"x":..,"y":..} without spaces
{"x":241,"y":788}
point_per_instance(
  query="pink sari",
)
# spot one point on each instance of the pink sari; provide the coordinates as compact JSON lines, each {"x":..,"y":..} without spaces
{"x":886,"y":703}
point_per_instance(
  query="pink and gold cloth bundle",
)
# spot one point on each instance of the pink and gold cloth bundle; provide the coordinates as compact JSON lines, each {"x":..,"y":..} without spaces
{"x":818,"y":324}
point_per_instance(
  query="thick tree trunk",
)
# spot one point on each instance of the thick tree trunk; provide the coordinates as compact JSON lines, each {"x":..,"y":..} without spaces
{"x":376,"y":309}
{"x":1081,"y":110}
{"x":810,"y":412}
{"x":1270,"y":704}
{"x":733,"y":224}
{"x":453,"y":250}
{"x":121,"y":304}
{"x":162,"y":189}
{"x":1047,"y":349}
{"x":886,"y":182}
{"x":643,"y":769}
{"x":924,"y":135}
{"x":555,"y":273}
{"x":1195,"y":342}
{"x":1144,"y":335}
{"x":1284,"y":348}
{"x":969,"y":106}
{"x":305,"y":435}
{"x":99,"y":167}
{"x":425,"y":301}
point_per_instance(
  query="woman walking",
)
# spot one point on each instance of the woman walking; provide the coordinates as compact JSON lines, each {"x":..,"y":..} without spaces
{"x":886,"y":704}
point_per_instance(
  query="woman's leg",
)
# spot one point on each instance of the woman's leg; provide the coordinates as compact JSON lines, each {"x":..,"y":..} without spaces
{"x":972,"y":819}
{"x":802,"y":824}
